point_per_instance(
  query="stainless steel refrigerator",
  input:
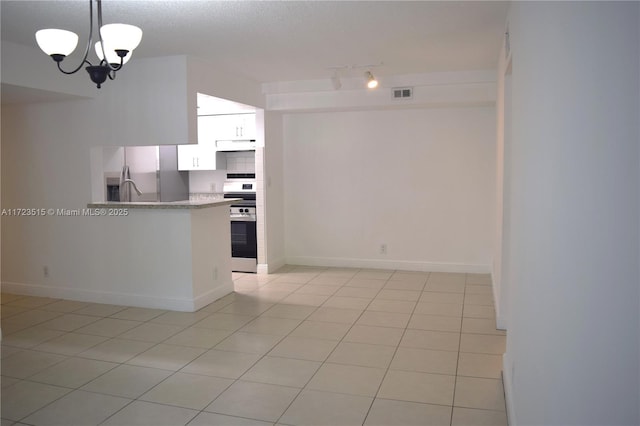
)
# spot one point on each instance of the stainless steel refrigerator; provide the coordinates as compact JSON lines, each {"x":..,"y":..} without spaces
{"x":149,"y":173}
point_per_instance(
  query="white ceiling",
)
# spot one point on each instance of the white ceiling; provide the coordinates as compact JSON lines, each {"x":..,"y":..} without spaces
{"x":271,"y":41}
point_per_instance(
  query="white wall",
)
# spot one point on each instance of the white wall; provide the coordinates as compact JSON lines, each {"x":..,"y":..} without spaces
{"x":46,"y":165}
{"x":29,"y":67}
{"x":274,"y":184}
{"x":500,"y":273}
{"x":496,"y":267}
{"x":46,"y":155}
{"x":210,"y":255}
{"x":572,"y":348}
{"x":436,"y":89}
{"x":146,"y":104}
{"x":421,"y":181}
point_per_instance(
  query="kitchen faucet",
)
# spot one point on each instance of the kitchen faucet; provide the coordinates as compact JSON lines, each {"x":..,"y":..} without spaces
{"x":132,"y":183}
{"x":125,"y":178}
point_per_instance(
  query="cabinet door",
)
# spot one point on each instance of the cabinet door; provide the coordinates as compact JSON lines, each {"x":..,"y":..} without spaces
{"x":188,"y":157}
{"x":247,"y":124}
{"x":197,"y":157}
{"x":226,"y":127}
{"x":208,"y":129}
{"x":206,"y":158}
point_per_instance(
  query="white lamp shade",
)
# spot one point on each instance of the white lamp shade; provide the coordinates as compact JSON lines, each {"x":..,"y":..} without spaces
{"x":112,"y":56}
{"x":121,"y":36}
{"x":53,"y":41}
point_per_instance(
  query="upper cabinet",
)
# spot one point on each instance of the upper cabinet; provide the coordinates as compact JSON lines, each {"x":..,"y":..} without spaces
{"x":200,"y":157}
{"x":226,"y":127}
{"x":212,"y":128}
{"x":243,"y":126}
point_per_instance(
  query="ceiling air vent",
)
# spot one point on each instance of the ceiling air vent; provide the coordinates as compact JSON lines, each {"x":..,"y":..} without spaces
{"x":402,"y":92}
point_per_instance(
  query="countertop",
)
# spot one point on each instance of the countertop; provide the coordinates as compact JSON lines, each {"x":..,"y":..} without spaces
{"x":186,"y":204}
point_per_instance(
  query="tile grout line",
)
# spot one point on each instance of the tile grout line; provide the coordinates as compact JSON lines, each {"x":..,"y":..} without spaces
{"x":329,"y":355}
{"x":257,"y":361}
{"x":455,"y":382}
{"x":67,"y":356}
{"x":218,"y":309}
{"x":71,"y":390}
{"x":395,"y":351}
{"x":119,"y":363}
{"x":174,"y":372}
{"x":235,"y":380}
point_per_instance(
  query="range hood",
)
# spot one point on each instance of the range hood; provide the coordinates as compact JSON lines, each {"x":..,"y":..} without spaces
{"x":236,"y":145}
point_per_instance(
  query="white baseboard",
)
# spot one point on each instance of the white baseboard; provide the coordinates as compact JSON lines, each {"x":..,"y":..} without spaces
{"x":271,"y":267}
{"x":212,"y":295}
{"x":402,"y":265}
{"x":501,"y":321}
{"x":123,"y":299}
{"x":507,"y":380}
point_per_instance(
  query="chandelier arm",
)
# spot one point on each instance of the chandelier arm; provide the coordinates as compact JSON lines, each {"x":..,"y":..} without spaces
{"x":104,"y":69}
{"x":104,"y":62}
{"x":76,"y":70}
{"x":117,"y":67}
{"x":86,"y":51}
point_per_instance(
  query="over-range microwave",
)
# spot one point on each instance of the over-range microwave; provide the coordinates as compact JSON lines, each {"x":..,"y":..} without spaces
{"x":236,"y":145}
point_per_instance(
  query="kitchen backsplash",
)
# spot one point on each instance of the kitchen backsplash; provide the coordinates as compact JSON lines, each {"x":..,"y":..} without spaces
{"x":241,"y":162}
{"x":205,"y":196}
{"x":205,"y":184}
{"x":206,"y":181}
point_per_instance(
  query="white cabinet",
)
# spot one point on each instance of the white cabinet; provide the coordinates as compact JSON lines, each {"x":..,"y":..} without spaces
{"x":226,"y":127}
{"x":200,"y":157}
{"x":243,"y":126}
{"x":207,"y":127}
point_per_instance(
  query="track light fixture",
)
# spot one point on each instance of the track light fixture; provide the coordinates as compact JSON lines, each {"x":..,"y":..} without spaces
{"x":336,"y":83}
{"x":115,"y":44}
{"x":372,"y":83}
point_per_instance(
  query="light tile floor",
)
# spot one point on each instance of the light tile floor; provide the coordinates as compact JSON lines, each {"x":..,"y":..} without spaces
{"x":304,"y":346}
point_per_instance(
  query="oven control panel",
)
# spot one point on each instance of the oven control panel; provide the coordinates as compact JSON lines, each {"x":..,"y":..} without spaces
{"x":243,"y":213}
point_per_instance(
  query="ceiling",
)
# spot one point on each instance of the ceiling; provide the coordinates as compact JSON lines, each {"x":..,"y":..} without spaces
{"x":270,"y":41}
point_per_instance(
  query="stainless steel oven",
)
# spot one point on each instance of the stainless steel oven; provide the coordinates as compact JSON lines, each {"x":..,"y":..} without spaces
{"x":244,"y":242}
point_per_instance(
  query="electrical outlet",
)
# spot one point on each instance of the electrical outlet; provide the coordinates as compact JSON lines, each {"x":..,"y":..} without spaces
{"x":45,"y":271}
{"x":383,"y":248}
{"x":213,"y":187}
{"x":215,"y":274}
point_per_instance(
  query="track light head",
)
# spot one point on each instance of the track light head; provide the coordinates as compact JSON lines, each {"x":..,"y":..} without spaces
{"x":372,"y":83}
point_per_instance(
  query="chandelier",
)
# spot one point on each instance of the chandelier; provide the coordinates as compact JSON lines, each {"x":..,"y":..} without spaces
{"x":115,"y":45}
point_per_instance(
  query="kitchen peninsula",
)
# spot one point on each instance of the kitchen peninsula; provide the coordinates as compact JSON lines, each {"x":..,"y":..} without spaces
{"x":170,"y":255}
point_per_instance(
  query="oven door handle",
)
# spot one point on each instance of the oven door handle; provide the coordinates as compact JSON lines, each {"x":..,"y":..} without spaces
{"x":243,"y":219}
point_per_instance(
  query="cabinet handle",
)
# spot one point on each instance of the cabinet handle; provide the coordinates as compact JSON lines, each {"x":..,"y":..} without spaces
{"x":198,"y":161}
{"x":193,"y":161}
